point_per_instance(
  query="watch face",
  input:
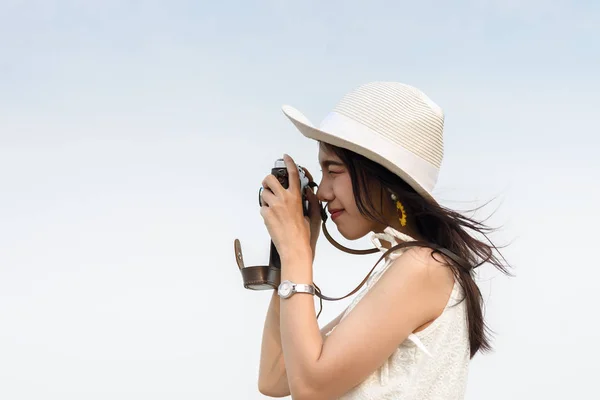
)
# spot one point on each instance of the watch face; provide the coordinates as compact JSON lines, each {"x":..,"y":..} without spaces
{"x":285,"y":289}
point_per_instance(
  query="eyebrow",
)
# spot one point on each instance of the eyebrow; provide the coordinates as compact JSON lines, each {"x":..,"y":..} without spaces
{"x":328,"y":163}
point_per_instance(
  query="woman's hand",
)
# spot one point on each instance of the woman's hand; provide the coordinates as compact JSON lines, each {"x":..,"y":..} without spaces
{"x":282,"y":213}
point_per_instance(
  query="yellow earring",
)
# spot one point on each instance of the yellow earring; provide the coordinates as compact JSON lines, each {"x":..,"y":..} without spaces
{"x":400,"y":209}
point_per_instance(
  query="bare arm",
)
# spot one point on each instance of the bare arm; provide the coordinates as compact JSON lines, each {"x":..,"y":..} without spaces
{"x":413,"y":291}
{"x":272,"y":378}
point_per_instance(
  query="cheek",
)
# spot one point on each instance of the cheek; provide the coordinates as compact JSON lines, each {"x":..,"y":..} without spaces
{"x":345,"y":192}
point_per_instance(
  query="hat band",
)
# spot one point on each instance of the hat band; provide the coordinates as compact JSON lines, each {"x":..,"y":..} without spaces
{"x":395,"y":156}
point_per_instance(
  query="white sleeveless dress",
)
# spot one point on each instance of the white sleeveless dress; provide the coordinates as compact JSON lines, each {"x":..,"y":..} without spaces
{"x":429,"y":365}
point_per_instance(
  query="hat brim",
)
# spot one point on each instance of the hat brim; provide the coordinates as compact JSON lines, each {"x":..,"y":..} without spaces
{"x":337,"y":139}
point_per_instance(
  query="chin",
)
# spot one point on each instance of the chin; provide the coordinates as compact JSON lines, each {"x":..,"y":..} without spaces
{"x":354,"y":234}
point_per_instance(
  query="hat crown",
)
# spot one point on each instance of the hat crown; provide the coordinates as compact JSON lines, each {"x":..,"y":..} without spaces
{"x":402,"y":114}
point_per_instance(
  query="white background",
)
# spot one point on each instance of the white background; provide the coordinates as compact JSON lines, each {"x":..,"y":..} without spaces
{"x":134,"y":137}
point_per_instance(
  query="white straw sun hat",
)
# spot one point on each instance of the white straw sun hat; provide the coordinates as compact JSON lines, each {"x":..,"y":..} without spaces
{"x":393,"y":124}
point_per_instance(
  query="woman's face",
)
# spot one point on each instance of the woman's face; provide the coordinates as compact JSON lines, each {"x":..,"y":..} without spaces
{"x":336,"y":190}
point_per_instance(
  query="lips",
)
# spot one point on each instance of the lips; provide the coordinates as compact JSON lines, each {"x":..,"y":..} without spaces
{"x":335,"y":212}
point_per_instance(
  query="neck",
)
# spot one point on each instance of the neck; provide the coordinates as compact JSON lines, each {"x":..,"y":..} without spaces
{"x":407,"y":230}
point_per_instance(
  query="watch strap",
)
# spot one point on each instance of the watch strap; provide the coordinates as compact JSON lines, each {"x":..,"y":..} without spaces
{"x":303,"y":288}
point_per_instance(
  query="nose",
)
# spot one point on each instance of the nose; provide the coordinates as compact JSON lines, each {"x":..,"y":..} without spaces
{"x":324,"y":192}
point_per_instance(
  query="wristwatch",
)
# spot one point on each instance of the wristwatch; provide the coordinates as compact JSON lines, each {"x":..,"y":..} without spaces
{"x":287,"y":289}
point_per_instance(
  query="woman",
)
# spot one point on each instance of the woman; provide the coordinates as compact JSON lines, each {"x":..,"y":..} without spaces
{"x":410,"y":333}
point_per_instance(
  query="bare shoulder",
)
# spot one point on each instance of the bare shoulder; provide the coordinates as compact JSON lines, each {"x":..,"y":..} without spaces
{"x":424,"y":259}
{"x":428,"y":269}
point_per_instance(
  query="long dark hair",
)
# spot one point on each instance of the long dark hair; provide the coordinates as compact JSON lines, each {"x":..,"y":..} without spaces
{"x":436,"y":224}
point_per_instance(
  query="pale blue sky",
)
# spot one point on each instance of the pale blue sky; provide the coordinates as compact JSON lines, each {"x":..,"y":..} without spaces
{"x":134,"y":136}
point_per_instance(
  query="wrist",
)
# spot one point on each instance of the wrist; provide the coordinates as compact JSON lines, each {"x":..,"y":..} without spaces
{"x":297,"y":268}
{"x":297,"y":256}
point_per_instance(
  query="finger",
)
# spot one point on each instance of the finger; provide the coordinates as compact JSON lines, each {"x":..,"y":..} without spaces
{"x":294,"y":178}
{"x":267,"y":198}
{"x":273,"y":185}
{"x":264,"y":213}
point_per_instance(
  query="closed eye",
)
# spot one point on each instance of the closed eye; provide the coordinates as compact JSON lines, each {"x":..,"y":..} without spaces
{"x":331,"y":172}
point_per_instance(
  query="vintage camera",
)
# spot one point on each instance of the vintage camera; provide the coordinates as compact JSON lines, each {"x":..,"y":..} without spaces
{"x":271,"y":275}
{"x":279,"y":170}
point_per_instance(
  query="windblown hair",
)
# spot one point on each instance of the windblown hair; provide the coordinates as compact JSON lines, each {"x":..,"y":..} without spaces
{"x":436,"y":224}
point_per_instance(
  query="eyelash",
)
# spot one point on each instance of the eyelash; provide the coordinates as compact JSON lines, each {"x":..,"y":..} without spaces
{"x":330,"y":172}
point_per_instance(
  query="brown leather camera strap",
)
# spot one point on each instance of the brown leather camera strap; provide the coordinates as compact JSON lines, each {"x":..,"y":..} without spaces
{"x":346,"y":249}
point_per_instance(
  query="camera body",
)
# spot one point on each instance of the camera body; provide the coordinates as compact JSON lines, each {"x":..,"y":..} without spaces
{"x":279,"y":170}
